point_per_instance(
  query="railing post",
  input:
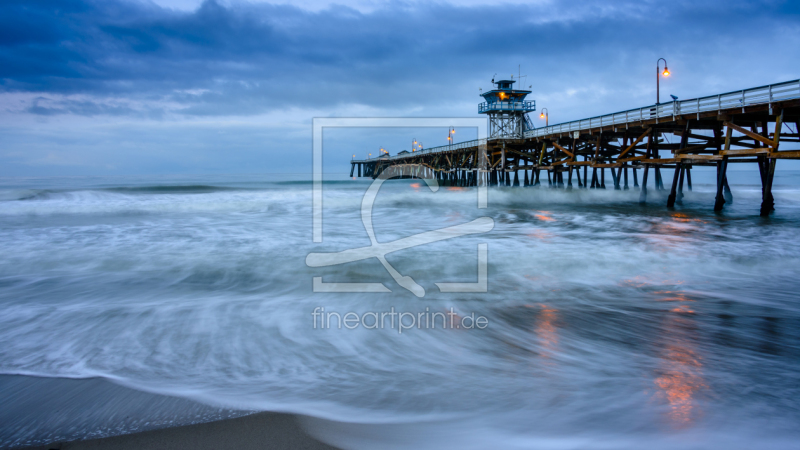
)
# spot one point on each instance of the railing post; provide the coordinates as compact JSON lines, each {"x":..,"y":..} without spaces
{"x":770,"y":99}
{"x":742,"y":101}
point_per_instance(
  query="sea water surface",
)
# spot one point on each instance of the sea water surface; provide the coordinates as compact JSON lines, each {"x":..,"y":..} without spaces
{"x":610,"y":324}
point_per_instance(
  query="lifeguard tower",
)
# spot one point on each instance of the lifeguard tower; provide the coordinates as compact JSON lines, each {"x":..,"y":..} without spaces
{"x":507,"y":109}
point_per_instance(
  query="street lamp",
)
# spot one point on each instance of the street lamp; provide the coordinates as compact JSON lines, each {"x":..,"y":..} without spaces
{"x":658,"y":78}
{"x":546,"y":116}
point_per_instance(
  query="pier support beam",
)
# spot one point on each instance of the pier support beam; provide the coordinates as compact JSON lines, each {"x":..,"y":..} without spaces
{"x":516,"y":178}
{"x":726,"y":191}
{"x":767,"y":169}
{"x":722,"y":167}
{"x":525,"y":183}
{"x":659,"y":180}
{"x":635,"y":178}
{"x":626,"y":177}
{"x":689,"y":179}
{"x":585,"y":177}
{"x":569,"y":178}
{"x":673,"y":193}
{"x":679,"y":198}
{"x":643,"y":193}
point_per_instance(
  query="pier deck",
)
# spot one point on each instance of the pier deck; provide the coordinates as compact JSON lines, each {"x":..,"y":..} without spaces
{"x":746,"y":126}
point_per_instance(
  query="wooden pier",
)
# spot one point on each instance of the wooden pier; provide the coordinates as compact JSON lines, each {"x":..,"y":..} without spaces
{"x":745,"y":126}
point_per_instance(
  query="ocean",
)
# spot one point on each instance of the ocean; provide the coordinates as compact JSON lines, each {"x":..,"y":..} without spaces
{"x":605,"y":323}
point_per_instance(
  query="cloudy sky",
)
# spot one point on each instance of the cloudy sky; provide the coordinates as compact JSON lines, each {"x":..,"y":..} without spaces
{"x":184,"y":86}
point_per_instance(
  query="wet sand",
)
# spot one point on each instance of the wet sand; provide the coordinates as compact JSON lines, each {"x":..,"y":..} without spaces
{"x":94,"y":413}
{"x":256,"y":431}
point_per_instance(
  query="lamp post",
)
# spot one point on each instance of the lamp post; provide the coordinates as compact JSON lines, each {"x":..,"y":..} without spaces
{"x":658,"y":78}
{"x":450,"y":133}
{"x":414,"y":144}
{"x":546,"y":116}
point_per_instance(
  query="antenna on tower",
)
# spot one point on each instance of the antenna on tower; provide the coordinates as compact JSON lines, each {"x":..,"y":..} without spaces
{"x":521,"y":76}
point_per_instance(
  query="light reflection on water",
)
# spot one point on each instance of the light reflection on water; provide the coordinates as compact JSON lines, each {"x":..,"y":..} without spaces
{"x":680,"y":375}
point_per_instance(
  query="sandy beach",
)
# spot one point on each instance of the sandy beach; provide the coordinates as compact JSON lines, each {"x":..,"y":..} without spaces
{"x":62,"y":413}
{"x":256,"y":431}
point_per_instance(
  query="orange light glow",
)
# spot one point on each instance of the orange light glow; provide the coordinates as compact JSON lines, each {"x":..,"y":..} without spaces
{"x":540,"y":235}
{"x":680,"y":379}
{"x":541,"y":116}
{"x":666,"y":72}
{"x":543,"y":217}
{"x":547,"y":333}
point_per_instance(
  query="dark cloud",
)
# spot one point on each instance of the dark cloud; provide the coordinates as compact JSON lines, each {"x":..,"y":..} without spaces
{"x":246,"y":59}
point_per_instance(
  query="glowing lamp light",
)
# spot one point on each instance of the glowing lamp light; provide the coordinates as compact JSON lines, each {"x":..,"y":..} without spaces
{"x":666,"y":71}
{"x":541,"y":116}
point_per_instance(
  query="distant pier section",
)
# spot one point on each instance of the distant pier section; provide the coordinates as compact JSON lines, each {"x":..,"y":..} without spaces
{"x":746,"y":126}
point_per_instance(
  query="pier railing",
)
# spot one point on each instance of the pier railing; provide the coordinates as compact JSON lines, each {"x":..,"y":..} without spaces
{"x":442,"y":148}
{"x":524,"y":106}
{"x":736,"y":99}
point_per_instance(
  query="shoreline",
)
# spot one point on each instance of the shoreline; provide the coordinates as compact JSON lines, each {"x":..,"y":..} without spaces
{"x":264,"y":430}
{"x":66,"y":413}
